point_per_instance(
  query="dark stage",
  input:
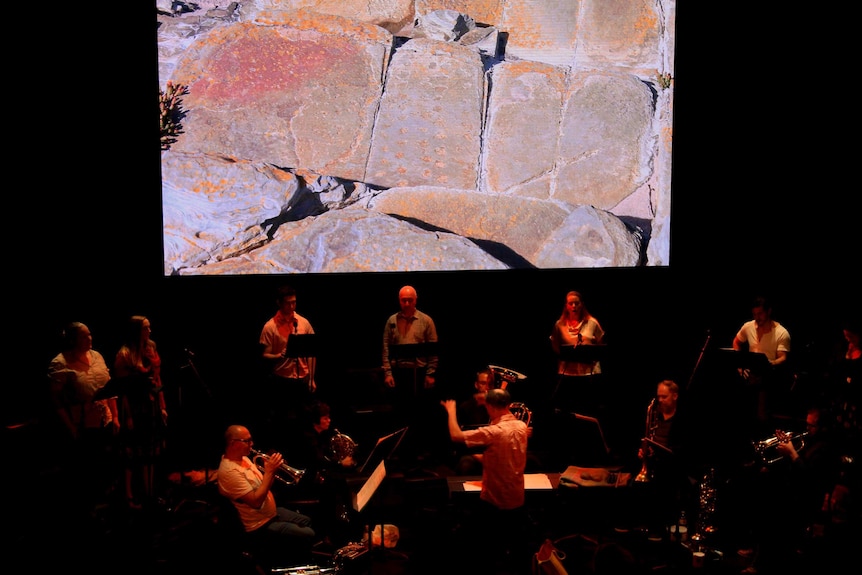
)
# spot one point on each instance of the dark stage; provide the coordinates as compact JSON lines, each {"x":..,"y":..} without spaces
{"x":742,"y":225}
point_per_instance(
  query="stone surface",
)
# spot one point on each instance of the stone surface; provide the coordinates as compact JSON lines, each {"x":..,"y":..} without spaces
{"x":476,"y":118}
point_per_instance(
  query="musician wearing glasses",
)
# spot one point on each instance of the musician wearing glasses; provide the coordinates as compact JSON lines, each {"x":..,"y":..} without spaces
{"x":276,"y":529}
{"x":774,"y":509}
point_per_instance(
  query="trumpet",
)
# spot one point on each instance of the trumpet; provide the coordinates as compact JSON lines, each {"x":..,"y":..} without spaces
{"x":286,"y":474}
{"x":766,"y":448}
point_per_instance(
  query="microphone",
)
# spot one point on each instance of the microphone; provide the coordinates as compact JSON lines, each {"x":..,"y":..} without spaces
{"x":295,"y":325}
{"x":189,"y":352}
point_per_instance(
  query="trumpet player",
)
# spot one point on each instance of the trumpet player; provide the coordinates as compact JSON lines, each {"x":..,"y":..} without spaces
{"x":780,"y":512}
{"x":284,"y":535}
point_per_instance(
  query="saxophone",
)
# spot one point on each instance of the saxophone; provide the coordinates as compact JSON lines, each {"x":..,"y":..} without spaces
{"x":644,"y":475}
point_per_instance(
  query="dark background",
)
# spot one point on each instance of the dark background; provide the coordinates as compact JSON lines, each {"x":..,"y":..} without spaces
{"x":759,"y":206}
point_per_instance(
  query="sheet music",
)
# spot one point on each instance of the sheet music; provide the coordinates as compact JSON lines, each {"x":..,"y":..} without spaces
{"x":363,"y":496}
{"x":531,"y":481}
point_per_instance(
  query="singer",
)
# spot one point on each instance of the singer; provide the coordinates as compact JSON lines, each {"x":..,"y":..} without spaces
{"x":576,"y":327}
{"x":290,"y":382}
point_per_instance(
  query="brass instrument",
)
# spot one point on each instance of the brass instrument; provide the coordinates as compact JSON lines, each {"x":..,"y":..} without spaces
{"x":644,"y":474}
{"x":504,"y":376}
{"x":766,"y":448}
{"x":286,"y":474}
{"x":522,"y":412}
{"x":340,"y":447}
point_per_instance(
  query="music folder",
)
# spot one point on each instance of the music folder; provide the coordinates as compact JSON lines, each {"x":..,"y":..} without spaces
{"x":754,"y":361}
{"x":383,"y":449}
{"x":132,"y":385}
{"x":594,"y":421}
{"x":301,"y":345}
{"x":585,"y":353}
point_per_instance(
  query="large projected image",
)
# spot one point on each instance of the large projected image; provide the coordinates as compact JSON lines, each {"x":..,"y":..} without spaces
{"x":303,"y":136}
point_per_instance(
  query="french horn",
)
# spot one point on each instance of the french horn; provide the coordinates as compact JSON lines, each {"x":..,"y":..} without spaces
{"x":341,"y":447}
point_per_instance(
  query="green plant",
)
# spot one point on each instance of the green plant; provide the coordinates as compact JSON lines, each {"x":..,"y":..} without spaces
{"x":664,"y":80}
{"x":171,"y":112}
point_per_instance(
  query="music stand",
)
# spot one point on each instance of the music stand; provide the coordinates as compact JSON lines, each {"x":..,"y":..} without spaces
{"x":583,"y":353}
{"x":303,"y":345}
{"x":383,"y":449}
{"x":129,"y":385}
{"x":757,"y":363}
{"x":377,"y":458}
{"x":413,"y":351}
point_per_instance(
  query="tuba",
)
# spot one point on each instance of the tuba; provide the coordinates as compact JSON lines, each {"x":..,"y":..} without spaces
{"x":286,"y":474}
{"x":340,"y":447}
{"x":522,"y":412}
{"x":644,"y":474}
{"x":766,"y":448}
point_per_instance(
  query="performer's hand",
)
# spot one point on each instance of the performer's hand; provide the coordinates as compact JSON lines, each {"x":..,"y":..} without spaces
{"x":273,"y":462}
{"x":389,"y":381}
{"x":429,"y":381}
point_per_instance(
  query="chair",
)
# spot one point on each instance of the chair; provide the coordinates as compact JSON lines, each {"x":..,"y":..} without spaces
{"x":234,"y":541}
{"x":256,"y":551}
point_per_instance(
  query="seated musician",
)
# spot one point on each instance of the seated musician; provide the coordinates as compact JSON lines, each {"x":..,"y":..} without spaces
{"x":326,"y":455}
{"x":282,"y":535}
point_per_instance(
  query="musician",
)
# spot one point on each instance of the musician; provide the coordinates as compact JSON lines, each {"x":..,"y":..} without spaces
{"x":576,"y":326}
{"x":664,"y":456}
{"x":471,"y":411}
{"x":409,"y":326}
{"x":471,"y":414}
{"x":762,"y":334}
{"x":284,"y":535}
{"x":501,"y":515}
{"x":411,"y":381}
{"x":76,"y":375}
{"x":777,"y":504}
{"x":327,"y":457}
{"x":290,"y":383}
{"x":137,"y":367}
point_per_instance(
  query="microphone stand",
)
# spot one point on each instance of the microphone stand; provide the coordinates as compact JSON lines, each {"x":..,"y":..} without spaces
{"x":191,"y":364}
{"x":699,"y":359}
